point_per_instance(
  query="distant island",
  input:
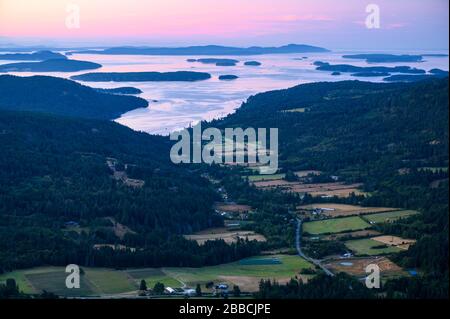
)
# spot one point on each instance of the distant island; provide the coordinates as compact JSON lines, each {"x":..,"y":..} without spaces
{"x":385,"y":58}
{"x":228,"y":77}
{"x":217,"y":62}
{"x":184,"y":76}
{"x":206,"y":50}
{"x":55,"y":65}
{"x":414,"y":78}
{"x":122,"y":90}
{"x":252,"y":63}
{"x":347,"y":68}
{"x":370,"y":74}
{"x":35,"y":56}
{"x":63,"y":97}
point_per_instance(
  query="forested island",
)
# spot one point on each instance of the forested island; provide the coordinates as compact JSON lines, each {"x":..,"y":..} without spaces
{"x":122,"y":90}
{"x":35,"y":56}
{"x":217,"y":62}
{"x":228,"y":77}
{"x":62,"y":97}
{"x":385,"y":58}
{"x":54,"y":65}
{"x":184,"y":76}
{"x":347,"y":68}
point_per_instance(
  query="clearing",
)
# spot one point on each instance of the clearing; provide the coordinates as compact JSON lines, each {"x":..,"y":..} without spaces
{"x":370,"y":247}
{"x":390,"y":217}
{"x":228,"y":235}
{"x":336,"y":225}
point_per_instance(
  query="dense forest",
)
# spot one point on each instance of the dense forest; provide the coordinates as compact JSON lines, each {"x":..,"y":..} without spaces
{"x":59,"y":198}
{"x":62,"y":97}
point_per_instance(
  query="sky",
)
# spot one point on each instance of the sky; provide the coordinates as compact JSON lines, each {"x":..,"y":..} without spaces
{"x":334,"y":24}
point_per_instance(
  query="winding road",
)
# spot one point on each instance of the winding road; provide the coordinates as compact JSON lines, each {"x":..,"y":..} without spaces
{"x":298,"y":245}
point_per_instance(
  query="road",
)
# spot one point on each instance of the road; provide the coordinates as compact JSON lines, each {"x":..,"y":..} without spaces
{"x":298,"y":244}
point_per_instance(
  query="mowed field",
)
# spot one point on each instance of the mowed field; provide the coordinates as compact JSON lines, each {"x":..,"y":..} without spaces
{"x":370,"y":247}
{"x":246,"y":273}
{"x":99,"y":282}
{"x":337,"y":225}
{"x":229,"y":236}
{"x":94,"y":282}
{"x":390,"y":216}
{"x":339,"y":210}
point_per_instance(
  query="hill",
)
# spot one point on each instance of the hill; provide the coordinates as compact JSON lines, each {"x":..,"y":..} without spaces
{"x":62,"y":97}
{"x":71,"y":189}
{"x":206,"y":50}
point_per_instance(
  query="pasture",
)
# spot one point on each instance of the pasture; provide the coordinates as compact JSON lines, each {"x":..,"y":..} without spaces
{"x":337,"y":225}
{"x":370,"y":247}
{"x":390,"y":217}
{"x":339,"y":210}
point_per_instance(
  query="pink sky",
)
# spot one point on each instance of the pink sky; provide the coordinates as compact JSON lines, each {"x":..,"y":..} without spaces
{"x":320,"y":22}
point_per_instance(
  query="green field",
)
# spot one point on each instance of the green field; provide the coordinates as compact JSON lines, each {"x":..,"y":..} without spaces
{"x":261,"y":178}
{"x":336,"y":225}
{"x":250,"y":270}
{"x":367,"y":247}
{"x":246,"y":273}
{"x":52,"y":279}
{"x":390,"y":216}
{"x":152,"y":276}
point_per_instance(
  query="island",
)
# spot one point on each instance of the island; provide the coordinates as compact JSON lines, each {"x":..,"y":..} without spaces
{"x":371,"y":74}
{"x":385,"y":58}
{"x":55,"y":65}
{"x":347,"y":68}
{"x":438,"y":72}
{"x":63,"y":97}
{"x":35,"y":56}
{"x":413,"y":78}
{"x":217,"y":62}
{"x":228,"y":77}
{"x":206,"y":50}
{"x":252,"y":63}
{"x":181,"y":76}
{"x":122,"y":90}
{"x":335,"y":73}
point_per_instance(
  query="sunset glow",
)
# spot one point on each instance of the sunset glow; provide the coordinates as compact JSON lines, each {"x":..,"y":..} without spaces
{"x":232,"y":21}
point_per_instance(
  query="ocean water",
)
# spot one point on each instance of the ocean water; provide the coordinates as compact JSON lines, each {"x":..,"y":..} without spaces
{"x":176,"y":105}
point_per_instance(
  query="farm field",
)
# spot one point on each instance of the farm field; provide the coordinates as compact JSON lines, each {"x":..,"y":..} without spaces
{"x":232,"y":208}
{"x":395,"y":241}
{"x":357,"y":266}
{"x":339,"y":210}
{"x":228,"y":235}
{"x":246,"y":273}
{"x":353,"y":234}
{"x":258,"y":178}
{"x":52,"y":279}
{"x":337,"y":225}
{"x":369,"y":247}
{"x":390,"y":216}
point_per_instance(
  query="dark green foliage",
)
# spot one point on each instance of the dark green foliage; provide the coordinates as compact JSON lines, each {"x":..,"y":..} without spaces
{"x":62,"y":97}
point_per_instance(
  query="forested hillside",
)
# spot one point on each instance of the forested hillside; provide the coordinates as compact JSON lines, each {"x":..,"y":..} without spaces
{"x":393,"y":138}
{"x":69,"y":188}
{"x":62,"y":97}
